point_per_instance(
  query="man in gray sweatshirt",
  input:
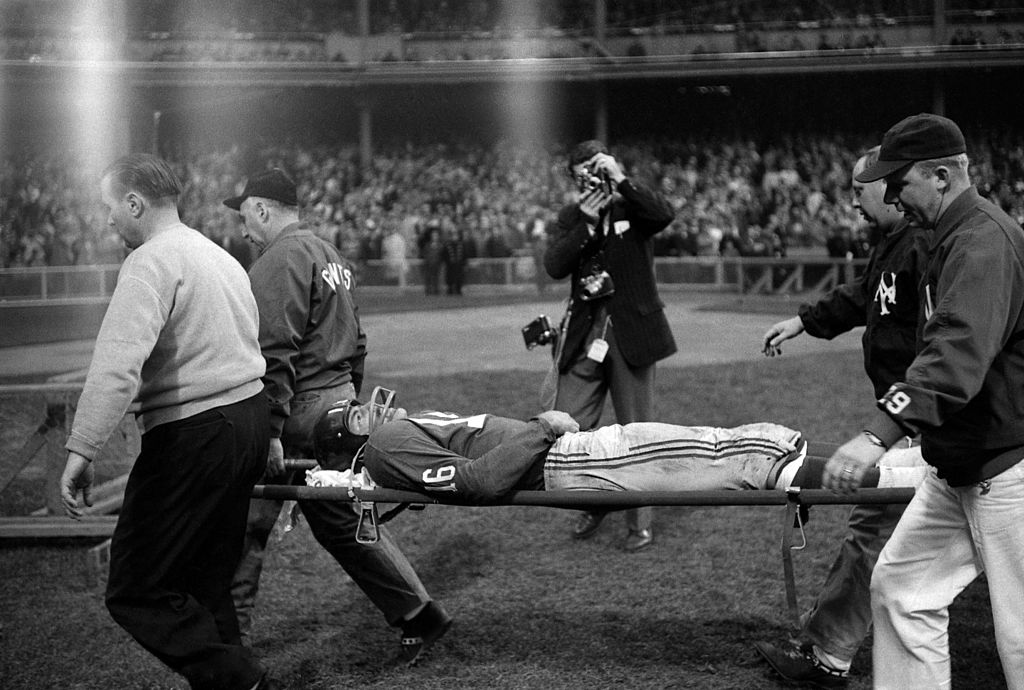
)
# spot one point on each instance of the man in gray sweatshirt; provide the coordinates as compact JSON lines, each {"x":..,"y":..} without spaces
{"x":180,"y":339}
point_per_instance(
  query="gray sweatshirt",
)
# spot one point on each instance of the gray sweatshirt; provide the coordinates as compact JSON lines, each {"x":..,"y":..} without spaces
{"x":179,"y":337}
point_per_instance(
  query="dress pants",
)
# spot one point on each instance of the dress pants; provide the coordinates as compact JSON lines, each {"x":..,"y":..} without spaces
{"x":381,"y":570}
{"x":179,"y":538}
{"x":840,"y":618}
{"x":946,"y":538}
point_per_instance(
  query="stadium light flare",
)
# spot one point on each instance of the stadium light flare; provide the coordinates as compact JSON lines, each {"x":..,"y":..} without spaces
{"x":525,"y":105}
{"x":100,"y":130}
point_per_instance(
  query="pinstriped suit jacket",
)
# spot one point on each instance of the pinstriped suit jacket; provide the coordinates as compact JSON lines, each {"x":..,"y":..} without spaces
{"x":636,"y":310}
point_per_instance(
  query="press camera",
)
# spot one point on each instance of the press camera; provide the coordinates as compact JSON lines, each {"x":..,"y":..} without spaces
{"x":538,"y":332}
{"x":592,"y":180}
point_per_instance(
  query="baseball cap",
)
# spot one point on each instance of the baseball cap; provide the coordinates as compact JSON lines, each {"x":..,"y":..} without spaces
{"x":916,"y":138}
{"x":269,"y":184}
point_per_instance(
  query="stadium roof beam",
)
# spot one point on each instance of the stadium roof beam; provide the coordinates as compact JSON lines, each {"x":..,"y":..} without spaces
{"x":935,"y":59}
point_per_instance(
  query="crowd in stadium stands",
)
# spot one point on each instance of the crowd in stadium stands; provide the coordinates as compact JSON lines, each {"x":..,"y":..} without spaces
{"x":28,"y":18}
{"x":732,"y":196}
{"x":503,"y":16}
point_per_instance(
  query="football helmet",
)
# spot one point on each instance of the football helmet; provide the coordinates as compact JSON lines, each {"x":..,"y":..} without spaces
{"x":335,"y":436}
{"x":332,"y":435}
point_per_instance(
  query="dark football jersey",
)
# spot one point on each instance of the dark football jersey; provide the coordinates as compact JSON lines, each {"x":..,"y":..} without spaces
{"x":478,"y":458}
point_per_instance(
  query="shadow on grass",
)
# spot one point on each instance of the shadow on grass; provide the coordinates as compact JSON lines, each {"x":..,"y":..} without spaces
{"x":457,"y":561}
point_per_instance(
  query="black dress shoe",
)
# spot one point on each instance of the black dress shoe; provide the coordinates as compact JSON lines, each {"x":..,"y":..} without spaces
{"x":586,"y":524}
{"x":639,"y":539}
{"x":800,"y":665}
{"x":420,"y":633}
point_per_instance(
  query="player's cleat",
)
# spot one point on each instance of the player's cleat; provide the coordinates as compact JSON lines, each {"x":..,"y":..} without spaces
{"x":800,"y":665}
{"x":639,"y":539}
{"x":420,"y":633}
{"x":586,"y":524}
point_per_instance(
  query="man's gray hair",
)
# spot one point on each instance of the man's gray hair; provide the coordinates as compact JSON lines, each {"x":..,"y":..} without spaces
{"x":958,"y":166}
{"x":146,"y":174}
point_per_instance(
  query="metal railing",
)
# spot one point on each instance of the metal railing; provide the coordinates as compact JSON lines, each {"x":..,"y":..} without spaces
{"x":63,"y":283}
{"x":69,"y":284}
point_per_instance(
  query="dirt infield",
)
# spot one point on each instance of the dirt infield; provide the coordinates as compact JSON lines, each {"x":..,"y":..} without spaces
{"x":440,"y":337}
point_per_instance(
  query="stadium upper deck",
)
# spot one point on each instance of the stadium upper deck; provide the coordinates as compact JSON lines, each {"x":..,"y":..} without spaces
{"x":358,"y":30}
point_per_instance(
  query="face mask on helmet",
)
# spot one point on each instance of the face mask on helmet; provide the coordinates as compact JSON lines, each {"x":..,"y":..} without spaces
{"x":382,"y":407}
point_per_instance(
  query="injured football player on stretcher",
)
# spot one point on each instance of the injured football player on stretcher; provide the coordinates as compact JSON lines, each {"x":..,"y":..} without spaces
{"x":480,"y":458}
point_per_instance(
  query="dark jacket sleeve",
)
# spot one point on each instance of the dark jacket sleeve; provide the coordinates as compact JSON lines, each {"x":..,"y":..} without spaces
{"x":571,"y":243}
{"x":358,"y":362}
{"x":282,"y":290}
{"x":972,"y":319}
{"x":841,"y":309}
{"x":650,"y":211}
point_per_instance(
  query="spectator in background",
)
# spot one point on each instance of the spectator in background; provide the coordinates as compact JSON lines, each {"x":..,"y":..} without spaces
{"x":538,"y":247}
{"x":495,"y":244}
{"x":455,"y":257}
{"x":396,"y":261}
{"x":432,"y":254}
{"x":616,"y":327}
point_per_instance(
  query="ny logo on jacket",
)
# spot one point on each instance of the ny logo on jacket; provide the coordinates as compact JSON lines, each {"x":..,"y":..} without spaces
{"x":885,"y":295}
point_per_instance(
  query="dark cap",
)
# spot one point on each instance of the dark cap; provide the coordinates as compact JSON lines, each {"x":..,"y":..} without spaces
{"x":916,"y":138}
{"x":269,"y":184}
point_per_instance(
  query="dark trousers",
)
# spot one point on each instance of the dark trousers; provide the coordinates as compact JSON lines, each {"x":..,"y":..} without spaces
{"x":432,"y":277}
{"x":454,"y":276}
{"x":179,"y":538}
{"x":381,"y":570}
{"x":582,"y":390}
{"x":841,"y":616}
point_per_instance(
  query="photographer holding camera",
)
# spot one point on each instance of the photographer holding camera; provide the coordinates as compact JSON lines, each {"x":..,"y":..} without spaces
{"x":615,"y":328}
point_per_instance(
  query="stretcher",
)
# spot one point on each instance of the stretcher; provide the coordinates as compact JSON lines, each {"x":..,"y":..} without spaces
{"x":796,"y":502}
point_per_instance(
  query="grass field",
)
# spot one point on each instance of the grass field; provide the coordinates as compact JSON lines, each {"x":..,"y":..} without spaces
{"x":533,"y":608}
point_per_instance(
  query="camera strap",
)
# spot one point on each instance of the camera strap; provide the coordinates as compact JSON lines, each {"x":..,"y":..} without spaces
{"x":563,"y":329}
{"x":549,"y":386}
{"x":605,"y":222}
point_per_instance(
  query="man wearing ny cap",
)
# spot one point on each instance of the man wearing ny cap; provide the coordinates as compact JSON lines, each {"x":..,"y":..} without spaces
{"x":314,"y":347}
{"x":962,"y":393}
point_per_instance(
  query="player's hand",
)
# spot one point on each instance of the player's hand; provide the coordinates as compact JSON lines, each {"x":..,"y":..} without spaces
{"x":771,"y":343}
{"x":79,"y":474}
{"x":275,"y":459}
{"x":560,"y":422}
{"x":845,"y":470}
{"x":605,"y":164}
